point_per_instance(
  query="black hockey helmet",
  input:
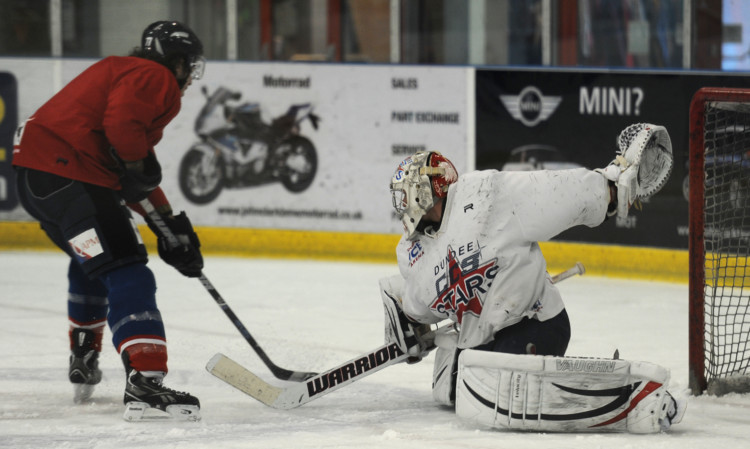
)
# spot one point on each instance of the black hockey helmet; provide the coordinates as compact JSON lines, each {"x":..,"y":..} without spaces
{"x":170,"y":39}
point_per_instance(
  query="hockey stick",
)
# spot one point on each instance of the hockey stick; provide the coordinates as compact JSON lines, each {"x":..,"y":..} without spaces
{"x":570,"y":272}
{"x":172,"y":241}
{"x":295,"y":395}
{"x":331,"y":380}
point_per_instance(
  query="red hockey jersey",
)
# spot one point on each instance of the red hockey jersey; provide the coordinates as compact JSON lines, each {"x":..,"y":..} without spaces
{"x":119,"y":102}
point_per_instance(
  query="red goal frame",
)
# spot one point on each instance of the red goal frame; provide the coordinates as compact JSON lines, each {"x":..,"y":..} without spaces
{"x":697,"y":276}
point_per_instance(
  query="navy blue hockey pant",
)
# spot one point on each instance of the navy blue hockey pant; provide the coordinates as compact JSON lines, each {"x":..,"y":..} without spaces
{"x":108,"y":277}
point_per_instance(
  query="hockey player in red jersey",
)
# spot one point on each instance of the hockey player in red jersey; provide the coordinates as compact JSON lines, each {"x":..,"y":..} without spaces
{"x":469,"y":254}
{"x":83,"y":161}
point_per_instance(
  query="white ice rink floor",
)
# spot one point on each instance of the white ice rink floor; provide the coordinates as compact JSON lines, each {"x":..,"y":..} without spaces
{"x":311,"y":316}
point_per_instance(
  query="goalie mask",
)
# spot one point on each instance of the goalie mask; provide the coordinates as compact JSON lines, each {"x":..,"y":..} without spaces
{"x":418,"y":183}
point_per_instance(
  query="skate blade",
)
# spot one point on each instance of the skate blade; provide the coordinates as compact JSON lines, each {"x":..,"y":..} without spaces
{"x":82,"y":392}
{"x":141,"y":411}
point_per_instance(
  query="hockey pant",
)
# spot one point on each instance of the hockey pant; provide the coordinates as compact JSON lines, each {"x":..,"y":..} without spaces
{"x":561,"y":394}
{"x":108,"y":277}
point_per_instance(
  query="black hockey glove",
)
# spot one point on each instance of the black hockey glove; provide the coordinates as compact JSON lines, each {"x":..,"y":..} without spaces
{"x":186,"y":256}
{"x":138,"y":178}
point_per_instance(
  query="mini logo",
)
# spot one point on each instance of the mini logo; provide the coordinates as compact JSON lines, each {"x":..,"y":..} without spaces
{"x":530,"y":106}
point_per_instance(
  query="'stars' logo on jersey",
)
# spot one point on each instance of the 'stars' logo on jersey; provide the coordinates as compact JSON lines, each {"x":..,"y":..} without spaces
{"x":463,"y":283}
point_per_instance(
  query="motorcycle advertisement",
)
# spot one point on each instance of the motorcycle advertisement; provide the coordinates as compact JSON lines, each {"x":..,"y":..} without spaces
{"x":313,"y":147}
{"x":291,"y":145}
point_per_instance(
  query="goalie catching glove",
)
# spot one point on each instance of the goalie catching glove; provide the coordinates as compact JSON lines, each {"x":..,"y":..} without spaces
{"x":185,"y":256}
{"x":642,"y":166}
{"x":414,"y":339}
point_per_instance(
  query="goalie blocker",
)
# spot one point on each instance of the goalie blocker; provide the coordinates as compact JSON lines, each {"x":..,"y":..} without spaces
{"x":564,"y":394}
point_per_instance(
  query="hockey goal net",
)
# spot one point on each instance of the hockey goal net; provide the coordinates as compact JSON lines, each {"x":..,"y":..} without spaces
{"x":719,"y":242}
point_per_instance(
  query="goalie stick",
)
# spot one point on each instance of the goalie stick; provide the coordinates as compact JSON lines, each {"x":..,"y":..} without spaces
{"x":279,"y":372}
{"x":331,"y":380}
{"x":577,"y":269}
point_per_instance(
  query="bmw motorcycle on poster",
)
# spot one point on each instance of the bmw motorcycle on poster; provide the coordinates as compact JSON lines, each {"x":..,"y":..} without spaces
{"x":237,"y":149}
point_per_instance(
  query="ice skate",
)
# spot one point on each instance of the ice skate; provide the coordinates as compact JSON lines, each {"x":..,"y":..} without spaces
{"x":147,"y":399}
{"x":84,"y":370}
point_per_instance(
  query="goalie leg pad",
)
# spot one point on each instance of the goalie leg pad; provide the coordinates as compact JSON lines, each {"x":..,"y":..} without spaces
{"x":446,"y":367}
{"x":561,"y":394}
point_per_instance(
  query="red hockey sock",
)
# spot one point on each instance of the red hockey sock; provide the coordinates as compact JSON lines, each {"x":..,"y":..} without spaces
{"x":147,"y":357}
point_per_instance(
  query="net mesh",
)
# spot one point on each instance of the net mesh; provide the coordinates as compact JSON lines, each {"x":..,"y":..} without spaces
{"x":727,"y":244}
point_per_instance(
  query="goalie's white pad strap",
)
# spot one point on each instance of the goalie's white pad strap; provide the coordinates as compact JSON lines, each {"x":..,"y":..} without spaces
{"x":560,"y":394}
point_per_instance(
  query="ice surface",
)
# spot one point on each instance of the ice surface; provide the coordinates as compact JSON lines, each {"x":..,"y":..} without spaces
{"x":311,"y":316}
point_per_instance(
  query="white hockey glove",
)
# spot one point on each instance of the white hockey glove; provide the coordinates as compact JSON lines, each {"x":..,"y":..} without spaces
{"x":414,"y":339}
{"x":642,"y":166}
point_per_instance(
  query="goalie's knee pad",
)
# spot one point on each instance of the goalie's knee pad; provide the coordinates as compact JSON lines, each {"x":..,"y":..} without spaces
{"x":563,"y":394}
{"x":446,"y":367}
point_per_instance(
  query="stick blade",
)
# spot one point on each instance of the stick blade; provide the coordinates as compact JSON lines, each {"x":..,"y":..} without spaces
{"x":240,"y":378}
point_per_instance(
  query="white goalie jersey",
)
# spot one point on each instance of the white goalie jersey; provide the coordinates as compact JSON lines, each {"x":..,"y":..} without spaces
{"x":483,"y":268}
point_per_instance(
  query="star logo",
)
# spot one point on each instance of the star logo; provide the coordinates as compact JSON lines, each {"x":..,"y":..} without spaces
{"x":462,"y":293}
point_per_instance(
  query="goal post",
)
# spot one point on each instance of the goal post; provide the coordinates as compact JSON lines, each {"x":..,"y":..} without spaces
{"x":719,"y":242}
